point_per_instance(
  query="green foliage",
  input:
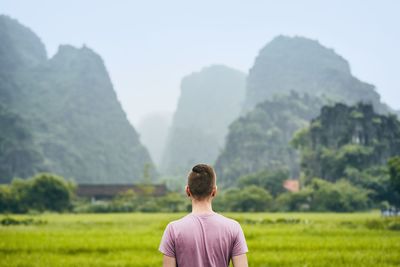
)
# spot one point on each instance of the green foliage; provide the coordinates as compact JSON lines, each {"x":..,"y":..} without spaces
{"x":377,"y":180}
{"x":6,"y":199}
{"x":75,"y":120}
{"x":8,"y":221}
{"x":271,"y":181}
{"x":50,"y":192}
{"x":129,"y":201}
{"x":286,"y":73}
{"x":321,"y":195}
{"x":394,"y":170}
{"x":384,"y":224}
{"x":44,"y":191}
{"x":296,"y":201}
{"x":338,"y":141}
{"x":173,"y":202}
{"x":249,"y":198}
{"x":19,"y":155}
{"x":260,"y":139}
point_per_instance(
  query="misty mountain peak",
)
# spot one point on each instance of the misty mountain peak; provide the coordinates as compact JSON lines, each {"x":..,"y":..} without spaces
{"x":69,"y":56}
{"x":69,"y":101}
{"x":19,"y":46}
{"x":304,"y":65}
{"x":302,"y":53}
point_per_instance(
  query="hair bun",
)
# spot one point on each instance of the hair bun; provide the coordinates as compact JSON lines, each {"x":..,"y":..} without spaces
{"x":197,"y":169}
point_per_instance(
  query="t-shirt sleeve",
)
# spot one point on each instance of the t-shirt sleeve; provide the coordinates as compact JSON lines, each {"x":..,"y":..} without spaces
{"x":167,"y":245}
{"x":239,"y":245}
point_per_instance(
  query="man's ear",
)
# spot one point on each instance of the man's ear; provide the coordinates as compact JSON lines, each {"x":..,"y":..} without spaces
{"x":214,"y":191}
{"x":187,"y":190}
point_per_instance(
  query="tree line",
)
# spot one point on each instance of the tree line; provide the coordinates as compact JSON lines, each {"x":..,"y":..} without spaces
{"x":255,"y":193}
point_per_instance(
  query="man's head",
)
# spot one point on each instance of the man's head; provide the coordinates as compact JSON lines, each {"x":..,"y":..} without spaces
{"x":201,"y":182}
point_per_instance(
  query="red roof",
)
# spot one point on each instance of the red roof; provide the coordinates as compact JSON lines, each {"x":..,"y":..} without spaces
{"x":292,"y":185}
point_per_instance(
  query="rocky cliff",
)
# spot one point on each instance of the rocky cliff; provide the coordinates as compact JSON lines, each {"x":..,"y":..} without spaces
{"x":70,"y":105}
{"x":210,"y":100}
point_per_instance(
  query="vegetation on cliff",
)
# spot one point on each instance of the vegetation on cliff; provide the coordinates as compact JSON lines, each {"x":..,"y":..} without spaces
{"x":70,"y":108}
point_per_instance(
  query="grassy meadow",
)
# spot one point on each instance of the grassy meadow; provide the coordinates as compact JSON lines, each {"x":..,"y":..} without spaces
{"x":274,"y":239}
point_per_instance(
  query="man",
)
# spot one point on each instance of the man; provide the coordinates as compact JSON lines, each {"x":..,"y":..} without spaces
{"x":203,"y":238}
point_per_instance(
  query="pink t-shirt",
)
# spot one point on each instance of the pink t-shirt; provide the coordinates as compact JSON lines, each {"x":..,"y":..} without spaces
{"x":203,"y":240}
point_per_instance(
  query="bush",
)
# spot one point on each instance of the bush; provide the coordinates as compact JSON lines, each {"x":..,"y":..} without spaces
{"x":43,"y":192}
{"x":131,"y":202}
{"x":250,"y":198}
{"x":50,"y":192}
{"x":296,"y":201}
{"x":269,"y":180}
{"x":173,"y":202}
{"x":384,"y":224}
{"x":321,"y":195}
{"x":394,"y":171}
{"x":149,"y":206}
{"x":20,"y":190}
{"x":6,"y":199}
{"x":8,"y":221}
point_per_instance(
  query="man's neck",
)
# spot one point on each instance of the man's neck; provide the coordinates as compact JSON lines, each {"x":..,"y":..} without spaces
{"x":201,"y":207}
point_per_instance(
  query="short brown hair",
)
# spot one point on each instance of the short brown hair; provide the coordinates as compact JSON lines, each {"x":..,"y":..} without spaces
{"x":201,"y":181}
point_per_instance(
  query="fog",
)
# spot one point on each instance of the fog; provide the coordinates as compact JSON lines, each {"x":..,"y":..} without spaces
{"x":149,"y":46}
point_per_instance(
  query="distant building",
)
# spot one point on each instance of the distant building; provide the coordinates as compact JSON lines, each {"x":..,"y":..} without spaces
{"x":292,"y":185}
{"x":108,"y":191}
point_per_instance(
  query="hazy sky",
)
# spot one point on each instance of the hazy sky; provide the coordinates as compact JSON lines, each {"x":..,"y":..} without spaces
{"x":148,"y":46}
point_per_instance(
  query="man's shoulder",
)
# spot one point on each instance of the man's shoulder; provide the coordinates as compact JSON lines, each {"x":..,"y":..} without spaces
{"x":179,"y":221}
{"x":191,"y":219}
{"x":229,"y":221}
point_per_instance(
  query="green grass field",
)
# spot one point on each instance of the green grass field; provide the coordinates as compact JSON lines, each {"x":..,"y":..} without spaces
{"x":274,"y":239}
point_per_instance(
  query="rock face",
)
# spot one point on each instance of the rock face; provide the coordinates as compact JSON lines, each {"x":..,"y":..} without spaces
{"x":260,"y":140}
{"x":19,"y":46}
{"x":210,"y":100}
{"x":292,"y":78}
{"x":71,"y":107}
{"x":303,"y":65}
{"x":19,"y":155}
{"x":344,"y":139}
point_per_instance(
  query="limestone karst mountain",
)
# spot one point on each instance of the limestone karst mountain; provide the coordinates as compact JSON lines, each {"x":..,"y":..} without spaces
{"x":305,"y":66}
{"x":71,"y":109}
{"x":210,"y":100}
{"x":292,"y":78}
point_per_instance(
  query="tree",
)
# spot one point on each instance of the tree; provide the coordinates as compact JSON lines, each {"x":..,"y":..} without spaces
{"x":5,"y":198}
{"x":271,"y":181}
{"x":376,"y":179}
{"x":44,"y":191}
{"x":294,"y":201}
{"x":20,"y":193}
{"x":173,"y":202}
{"x":347,"y":137}
{"x":50,"y":192}
{"x":259,"y":139}
{"x":250,"y":198}
{"x":321,"y":195}
{"x":341,"y":196}
{"x":394,"y":171}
